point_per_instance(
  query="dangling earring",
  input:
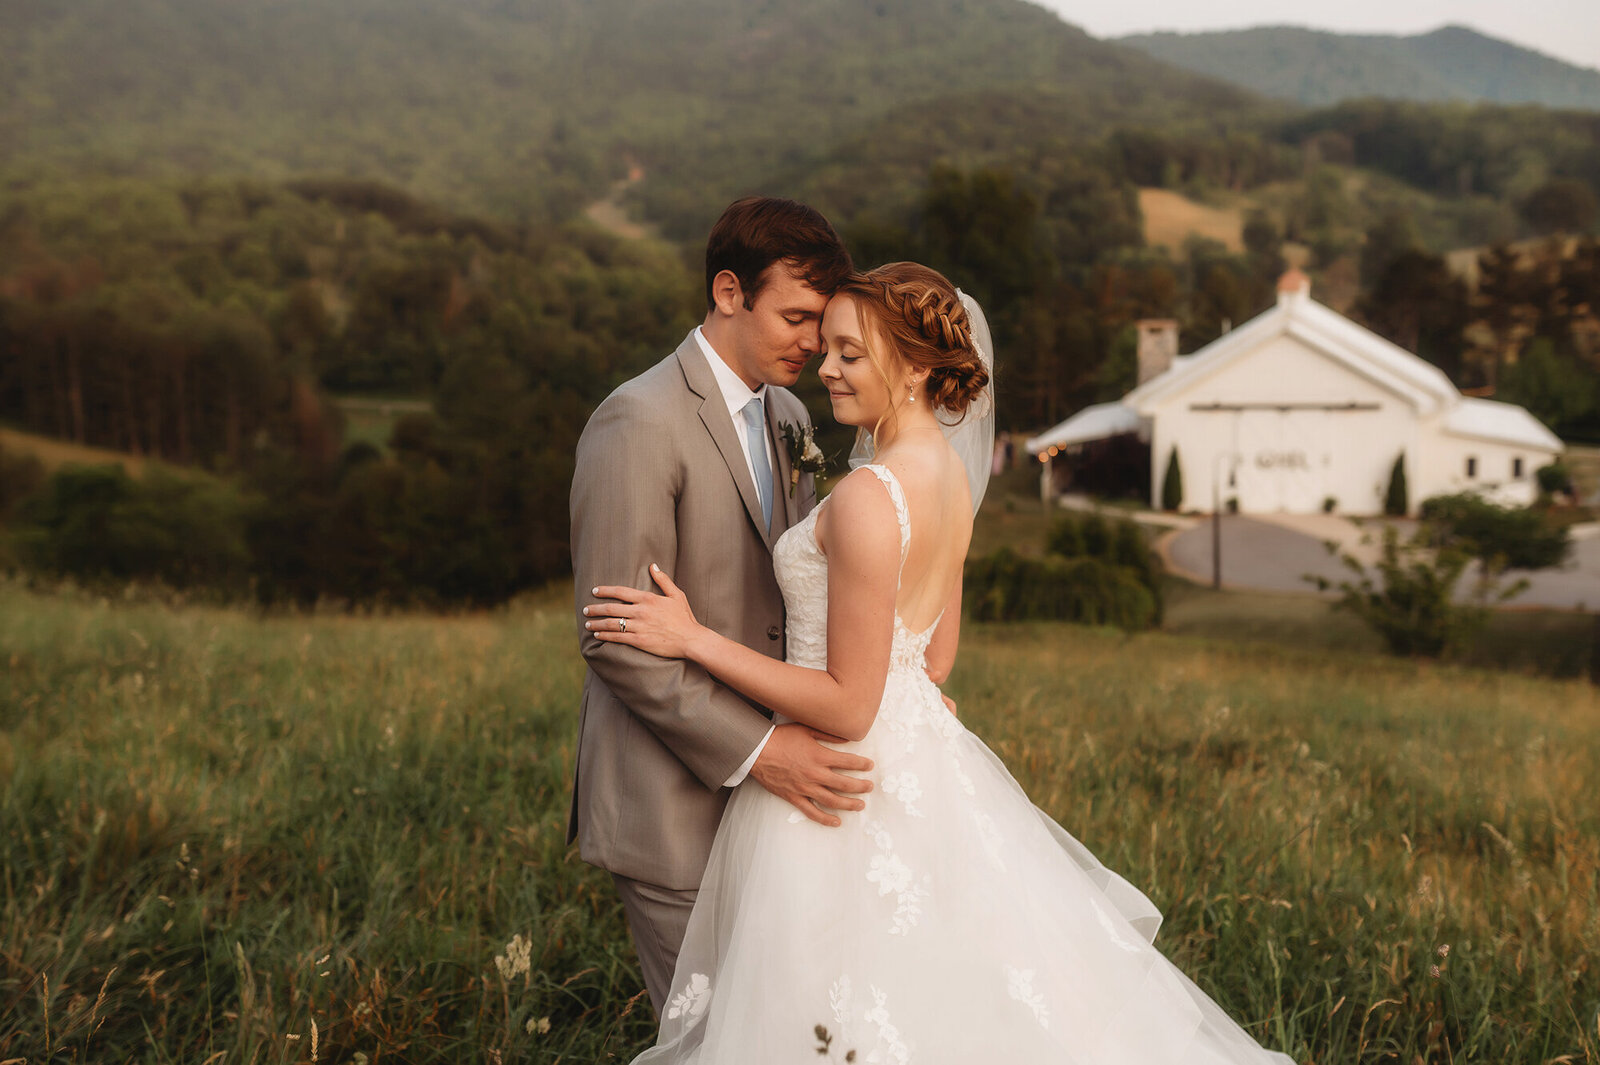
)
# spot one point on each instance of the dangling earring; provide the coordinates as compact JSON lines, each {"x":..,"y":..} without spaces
{"x":911,"y":395}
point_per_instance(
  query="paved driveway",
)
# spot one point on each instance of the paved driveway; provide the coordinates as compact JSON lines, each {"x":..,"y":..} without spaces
{"x":1274,"y":552}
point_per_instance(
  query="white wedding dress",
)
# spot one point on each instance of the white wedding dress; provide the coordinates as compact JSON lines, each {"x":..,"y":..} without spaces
{"x":949,"y":922}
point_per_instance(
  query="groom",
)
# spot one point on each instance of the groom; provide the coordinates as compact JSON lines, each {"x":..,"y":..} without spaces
{"x":685,"y":466}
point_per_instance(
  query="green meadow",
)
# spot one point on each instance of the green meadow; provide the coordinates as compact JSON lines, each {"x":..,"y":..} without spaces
{"x":234,"y":838}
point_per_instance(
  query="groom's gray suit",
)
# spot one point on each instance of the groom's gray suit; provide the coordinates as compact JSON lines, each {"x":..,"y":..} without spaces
{"x":661,"y":478}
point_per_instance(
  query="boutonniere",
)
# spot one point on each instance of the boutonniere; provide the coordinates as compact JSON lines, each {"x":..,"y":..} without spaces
{"x":804,"y":454}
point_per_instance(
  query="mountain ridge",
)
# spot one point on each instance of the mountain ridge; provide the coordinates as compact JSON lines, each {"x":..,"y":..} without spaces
{"x":1320,"y":67}
{"x":525,"y":108}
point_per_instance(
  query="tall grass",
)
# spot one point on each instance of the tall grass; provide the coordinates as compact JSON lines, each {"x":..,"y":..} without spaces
{"x":232,"y":839}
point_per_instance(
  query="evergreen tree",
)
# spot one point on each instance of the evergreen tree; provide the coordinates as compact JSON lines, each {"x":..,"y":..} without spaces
{"x":1397,"y":500}
{"x":1172,"y":483}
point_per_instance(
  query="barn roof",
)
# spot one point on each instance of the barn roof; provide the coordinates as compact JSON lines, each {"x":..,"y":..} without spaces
{"x":1420,"y":383}
{"x":1090,"y":423}
{"x":1504,"y":423}
{"x":1415,"y":380}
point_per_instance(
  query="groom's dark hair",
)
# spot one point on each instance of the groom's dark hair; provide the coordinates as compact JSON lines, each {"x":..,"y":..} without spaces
{"x":757,"y":231}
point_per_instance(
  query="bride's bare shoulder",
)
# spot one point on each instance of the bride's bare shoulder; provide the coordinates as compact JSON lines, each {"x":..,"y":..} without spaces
{"x":927,"y":468}
{"x":861,"y":508}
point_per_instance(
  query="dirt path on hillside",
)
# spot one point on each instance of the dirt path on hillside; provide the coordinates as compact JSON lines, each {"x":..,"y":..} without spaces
{"x":611,"y":216}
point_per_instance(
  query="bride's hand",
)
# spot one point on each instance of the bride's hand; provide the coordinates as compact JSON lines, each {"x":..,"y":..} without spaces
{"x":660,"y":624}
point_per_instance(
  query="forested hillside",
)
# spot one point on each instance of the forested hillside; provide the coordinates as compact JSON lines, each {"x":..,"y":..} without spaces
{"x":1317,"y":67}
{"x":204,"y":323}
{"x":219,"y":218}
{"x":520,"y":107}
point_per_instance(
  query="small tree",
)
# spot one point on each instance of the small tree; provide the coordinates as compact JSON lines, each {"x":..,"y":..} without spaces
{"x":1397,"y":500}
{"x":1172,"y":483}
{"x":1413,"y":604}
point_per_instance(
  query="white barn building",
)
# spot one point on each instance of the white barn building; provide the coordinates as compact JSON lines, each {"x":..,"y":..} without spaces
{"x":1301,"y":410}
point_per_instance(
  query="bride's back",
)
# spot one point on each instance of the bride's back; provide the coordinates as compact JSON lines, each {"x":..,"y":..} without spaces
{"x":940,"y":507}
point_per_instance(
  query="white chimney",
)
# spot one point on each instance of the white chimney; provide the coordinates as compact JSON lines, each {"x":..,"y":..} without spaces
{"x":1158,"y":346}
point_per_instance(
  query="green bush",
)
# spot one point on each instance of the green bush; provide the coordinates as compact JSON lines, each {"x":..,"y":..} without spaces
{"x":1554,"y":478}
{"x":1005,"y":586}
{"x":96,"y":523}
{"x":1499,"y":537}
{"x":1397,"y":500}
{"x":20,"y":477}
{"x":1117,"y":543}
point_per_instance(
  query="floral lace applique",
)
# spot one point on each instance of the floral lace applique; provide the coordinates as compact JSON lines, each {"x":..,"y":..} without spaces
{"x":891,"y":1049}
{"x":992,"y":842}
{"x":902,"y":726}
{"x":905,"y":787}
{"x":945,"y":725}
{"x":692,"y":1001}
{"x":961,"y":774}
{"x":840,"y":997}
{"x":1019,"y":983}
{"x":895,"y":877}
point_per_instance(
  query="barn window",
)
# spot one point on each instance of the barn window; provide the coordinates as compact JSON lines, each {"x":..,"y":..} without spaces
{"x":1516,"y":468}
{"x":1472,"y":466}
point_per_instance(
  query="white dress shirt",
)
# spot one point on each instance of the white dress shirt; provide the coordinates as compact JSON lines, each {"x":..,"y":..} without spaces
{"x":737,"y":395}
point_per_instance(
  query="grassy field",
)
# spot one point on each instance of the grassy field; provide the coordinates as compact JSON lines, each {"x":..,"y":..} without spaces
{"x":1170,"y":218}
{"x":371,"y":420}
{"x":233,"y":839}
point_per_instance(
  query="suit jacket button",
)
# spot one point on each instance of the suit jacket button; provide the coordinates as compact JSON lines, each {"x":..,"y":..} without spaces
{"x":774,"y":632}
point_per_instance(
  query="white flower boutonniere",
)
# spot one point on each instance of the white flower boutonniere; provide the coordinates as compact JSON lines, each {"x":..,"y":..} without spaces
{"x":804,"y":454}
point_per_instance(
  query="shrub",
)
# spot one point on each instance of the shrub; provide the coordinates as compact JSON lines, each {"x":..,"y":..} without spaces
{"x":1005,"y":586}
{"x":20,"y":476}
{"x":1119,"y":543}
{"x":1397,"y":500}
{"x":1412,"y":604}
{"x":1499,"y":537}
{"x":1172,"y":483}
{"x":95,"y":523}
{"x":1554,"y":478}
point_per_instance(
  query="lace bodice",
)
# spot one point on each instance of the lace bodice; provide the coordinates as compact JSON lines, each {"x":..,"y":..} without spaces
{"x":802,"y":572}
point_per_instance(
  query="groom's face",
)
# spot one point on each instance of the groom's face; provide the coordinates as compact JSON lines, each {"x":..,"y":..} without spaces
{"x":770,"y":341}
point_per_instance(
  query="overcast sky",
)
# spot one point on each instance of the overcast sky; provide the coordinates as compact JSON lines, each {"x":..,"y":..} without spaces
{"x":1566,"y":29}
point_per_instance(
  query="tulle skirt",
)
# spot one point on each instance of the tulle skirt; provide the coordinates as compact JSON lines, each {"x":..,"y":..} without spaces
{"x":951,"y":921}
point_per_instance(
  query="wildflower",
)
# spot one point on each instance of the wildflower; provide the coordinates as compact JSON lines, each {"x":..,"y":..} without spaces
{"x":1444,"y":950}
{"x":514,"y":962}
{"x":1433,"y":971}
{"x":538,"y":1027}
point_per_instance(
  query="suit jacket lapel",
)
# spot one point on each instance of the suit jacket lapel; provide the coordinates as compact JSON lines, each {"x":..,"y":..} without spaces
{"x":714,"y":414}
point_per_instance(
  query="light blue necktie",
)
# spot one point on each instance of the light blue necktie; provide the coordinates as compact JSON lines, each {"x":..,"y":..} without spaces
{"x":755,"y":431}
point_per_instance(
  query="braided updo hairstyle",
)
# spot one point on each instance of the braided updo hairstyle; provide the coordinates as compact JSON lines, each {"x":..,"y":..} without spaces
{"x":916,"y":310}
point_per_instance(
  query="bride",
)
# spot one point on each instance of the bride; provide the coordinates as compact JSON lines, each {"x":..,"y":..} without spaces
{"x":952,"y":921}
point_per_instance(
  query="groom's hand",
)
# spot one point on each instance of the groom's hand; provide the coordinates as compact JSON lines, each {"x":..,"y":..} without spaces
{"x":809,"y":776}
